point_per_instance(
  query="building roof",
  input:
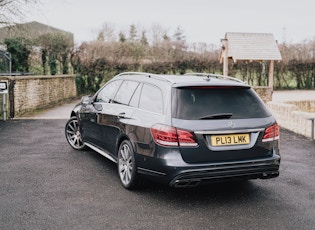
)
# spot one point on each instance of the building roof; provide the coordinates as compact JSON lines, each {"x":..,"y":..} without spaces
{"x":252,"y":46}
{"x":31,"y":30}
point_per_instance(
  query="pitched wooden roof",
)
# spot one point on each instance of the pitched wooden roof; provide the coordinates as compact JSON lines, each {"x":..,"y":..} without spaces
{"x":252,"y":46}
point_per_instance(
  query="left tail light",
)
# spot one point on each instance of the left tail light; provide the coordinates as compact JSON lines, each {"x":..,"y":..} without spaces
{"x":170,"y":136}
{"x":271,"y":133}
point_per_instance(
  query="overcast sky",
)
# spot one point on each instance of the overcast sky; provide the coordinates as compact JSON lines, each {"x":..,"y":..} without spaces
{"x":201,"y":20}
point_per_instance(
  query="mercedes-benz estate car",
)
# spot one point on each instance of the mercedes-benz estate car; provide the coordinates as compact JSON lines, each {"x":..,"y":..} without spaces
{"x":178,"y":129}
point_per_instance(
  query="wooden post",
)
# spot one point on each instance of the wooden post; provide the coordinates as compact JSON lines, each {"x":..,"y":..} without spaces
{"x":271,"y":67}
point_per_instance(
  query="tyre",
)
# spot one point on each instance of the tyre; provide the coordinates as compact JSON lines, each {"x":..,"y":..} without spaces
{"x":127,"y":166}
{"x":73,"y":134}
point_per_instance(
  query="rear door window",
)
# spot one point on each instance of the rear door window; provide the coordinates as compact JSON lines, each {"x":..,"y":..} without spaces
{"x":125,"y":92}
{"x":194,"y":103}
{"x":134,"y":102}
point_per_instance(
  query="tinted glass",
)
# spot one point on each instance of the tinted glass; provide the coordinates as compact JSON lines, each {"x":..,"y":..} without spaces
{"x":193,"y":103}
{"x":125,"y":92}
{"x":151,"y":99}
{"x":108,"y":92}
{"x":134,"y":102}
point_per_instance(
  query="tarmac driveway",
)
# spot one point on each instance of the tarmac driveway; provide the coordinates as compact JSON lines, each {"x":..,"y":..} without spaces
{"x":45,"y":184}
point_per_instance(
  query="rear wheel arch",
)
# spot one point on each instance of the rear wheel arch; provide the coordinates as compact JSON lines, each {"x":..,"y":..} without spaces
{"x":121,"y":139}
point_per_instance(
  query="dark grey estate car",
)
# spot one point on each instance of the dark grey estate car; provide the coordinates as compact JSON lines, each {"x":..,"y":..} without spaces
{"x":180,"y":130}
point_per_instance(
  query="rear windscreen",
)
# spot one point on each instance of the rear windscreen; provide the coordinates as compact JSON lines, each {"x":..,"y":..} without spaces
{"x":194,"y":103}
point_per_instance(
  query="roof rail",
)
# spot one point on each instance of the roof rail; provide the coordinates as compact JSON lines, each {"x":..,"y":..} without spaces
{"x":136,"y":73}
{"x":208,"y":75}
{"x":149,"y":75}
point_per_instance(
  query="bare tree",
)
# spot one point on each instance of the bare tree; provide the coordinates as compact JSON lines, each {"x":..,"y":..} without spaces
{"x":107,"y":33}
{"x":11,"y":10}
{"x":157,"y":33}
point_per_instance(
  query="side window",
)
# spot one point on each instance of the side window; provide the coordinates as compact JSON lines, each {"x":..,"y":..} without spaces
{"x":125,"y":92}
{"x":108,"y":92}
{"x":134,"y":102}
{"x":151,"y":99}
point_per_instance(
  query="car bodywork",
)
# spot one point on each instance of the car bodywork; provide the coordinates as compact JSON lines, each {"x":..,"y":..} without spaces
{"x":174,"y":139}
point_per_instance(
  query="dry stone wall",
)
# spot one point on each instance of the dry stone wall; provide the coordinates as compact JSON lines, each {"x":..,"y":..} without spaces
{"x":293,"y":116}
{"x":37,"y":92}
{"x":264,"y":92}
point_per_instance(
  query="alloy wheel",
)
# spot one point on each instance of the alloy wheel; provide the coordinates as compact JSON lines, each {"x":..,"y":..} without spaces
{"x":126,"y":165}
{"x":73,"y":134}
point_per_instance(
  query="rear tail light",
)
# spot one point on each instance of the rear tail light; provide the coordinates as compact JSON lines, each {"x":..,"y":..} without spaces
{"x":271,"y":133}
{"x":170,"y":136}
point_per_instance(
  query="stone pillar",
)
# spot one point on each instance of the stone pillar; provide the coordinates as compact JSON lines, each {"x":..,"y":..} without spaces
{"x":225,"y":52}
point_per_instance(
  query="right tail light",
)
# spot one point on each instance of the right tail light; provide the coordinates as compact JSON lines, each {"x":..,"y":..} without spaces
{"x":271,"y":133}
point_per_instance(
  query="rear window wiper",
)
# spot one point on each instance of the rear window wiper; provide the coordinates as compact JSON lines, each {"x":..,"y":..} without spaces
{"x":216,"y":116}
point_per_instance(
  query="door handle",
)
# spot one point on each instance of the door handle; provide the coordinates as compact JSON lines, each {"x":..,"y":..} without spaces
{"x":121,"y":115}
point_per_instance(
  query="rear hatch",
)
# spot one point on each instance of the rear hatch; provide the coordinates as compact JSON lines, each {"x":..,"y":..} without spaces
{"x":228,"y":123}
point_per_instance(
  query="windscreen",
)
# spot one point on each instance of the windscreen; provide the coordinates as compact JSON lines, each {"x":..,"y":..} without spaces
{"x":198,"y":103}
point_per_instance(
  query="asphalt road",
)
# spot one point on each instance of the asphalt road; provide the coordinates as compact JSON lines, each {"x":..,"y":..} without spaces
{"x":45,"y":184}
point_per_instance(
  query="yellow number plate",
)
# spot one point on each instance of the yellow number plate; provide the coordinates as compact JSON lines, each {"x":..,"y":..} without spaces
{"x":235,"y":139}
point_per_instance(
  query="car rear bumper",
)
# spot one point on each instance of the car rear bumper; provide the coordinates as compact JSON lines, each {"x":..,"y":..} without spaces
{"x":192,"y":175}
{"x":250,"y":170}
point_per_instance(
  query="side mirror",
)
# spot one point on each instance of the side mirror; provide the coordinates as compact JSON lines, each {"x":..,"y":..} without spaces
{"x":86,"y":100}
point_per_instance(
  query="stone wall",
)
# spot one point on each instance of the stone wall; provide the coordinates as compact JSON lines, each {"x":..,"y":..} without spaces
{"x":37,"y":92}
{"x":306,"y":106}
{"x":264,"y":92}
{"x":290,"y":115}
